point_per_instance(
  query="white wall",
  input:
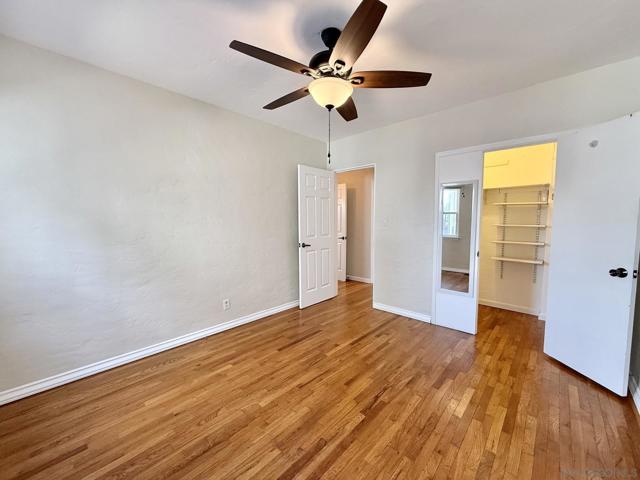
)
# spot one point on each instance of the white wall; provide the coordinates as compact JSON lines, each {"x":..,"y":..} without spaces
{"x":404,"y":156}
{"x":128,"y":213}
{"x":359,"y":208}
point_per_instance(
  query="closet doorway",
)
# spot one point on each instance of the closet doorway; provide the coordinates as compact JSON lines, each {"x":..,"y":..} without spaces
{"x":515,"y":227}
{"x":558,"y":240}
{"x":493,"y":228}
{"x":355,"y":223}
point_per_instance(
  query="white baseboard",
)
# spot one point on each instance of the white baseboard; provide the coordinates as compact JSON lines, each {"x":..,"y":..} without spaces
{"x":455,"y":270}
{"x":509,"y":306}
{"x":359,"y":279}
{"x":423,"y":317}
{"x":38,"y":386}
{"x":634,"y":389}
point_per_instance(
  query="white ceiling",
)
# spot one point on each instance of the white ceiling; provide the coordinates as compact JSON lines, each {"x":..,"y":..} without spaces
{"x":474,"y":48}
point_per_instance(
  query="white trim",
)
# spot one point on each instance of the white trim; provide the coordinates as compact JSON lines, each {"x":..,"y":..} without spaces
{"x":505,"y":144}
{"x":38,"y":386}
{"x":355,"y":167}
{"x":508,"y":306}
{"x":423,"y":317}
{"x":634,"y":389}
{"x":455,"y":270}
{"x":359,"y":279}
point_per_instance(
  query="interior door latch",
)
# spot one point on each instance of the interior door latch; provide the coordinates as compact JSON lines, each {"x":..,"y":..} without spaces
{"x":620,"y":272}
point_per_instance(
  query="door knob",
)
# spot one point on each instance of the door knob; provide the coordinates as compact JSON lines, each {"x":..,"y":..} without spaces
{"x":342,"y":238}
{"x":303,"y":245}
{"x":618,"y":272}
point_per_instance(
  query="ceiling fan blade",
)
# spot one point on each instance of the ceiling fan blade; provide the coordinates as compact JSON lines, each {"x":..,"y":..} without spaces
{"x":390,"y":79}
{"x":348,"y":110}
{"x":357,"y":33}
{"x":290,"y":97}
{"x":270,"y":57}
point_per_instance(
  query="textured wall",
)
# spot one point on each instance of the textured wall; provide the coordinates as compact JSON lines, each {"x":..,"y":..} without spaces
{"x":128,"y":213}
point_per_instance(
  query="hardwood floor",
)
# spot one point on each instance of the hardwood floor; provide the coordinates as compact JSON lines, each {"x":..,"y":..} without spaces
{"x":458,"y":282}
{"x":335,"y":391}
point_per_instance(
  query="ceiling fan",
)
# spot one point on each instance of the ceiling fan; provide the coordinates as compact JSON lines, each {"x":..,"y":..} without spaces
{"x":331,"y":70}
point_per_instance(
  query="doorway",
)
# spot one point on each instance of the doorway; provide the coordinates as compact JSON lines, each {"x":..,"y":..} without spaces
{"x":493,"y":212}
{"x":581,"y":279}
{"x":355,"y":224}
{"x":515,"y":227}
{"x":457,"y":206}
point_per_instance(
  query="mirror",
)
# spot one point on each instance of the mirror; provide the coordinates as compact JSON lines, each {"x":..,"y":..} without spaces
{"x":455,"y":236}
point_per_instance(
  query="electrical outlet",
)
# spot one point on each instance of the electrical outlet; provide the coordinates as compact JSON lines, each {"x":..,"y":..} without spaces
{"x":226,"y":304}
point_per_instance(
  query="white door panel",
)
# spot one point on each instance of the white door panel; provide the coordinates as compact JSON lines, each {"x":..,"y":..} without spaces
{"x":457,"y":309}
{"x":589,"y":318}
{"x":316,"y":235}
{"x":341,"y":225}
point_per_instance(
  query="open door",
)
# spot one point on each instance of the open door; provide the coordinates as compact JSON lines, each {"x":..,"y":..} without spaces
{"x":458,"y":199}
{"x":593,"y":256}
{"x":341,"y":226}
{"x":316,"y":235}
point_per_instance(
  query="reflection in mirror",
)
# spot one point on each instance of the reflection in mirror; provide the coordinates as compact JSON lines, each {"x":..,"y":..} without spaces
{"x":456,"y":236}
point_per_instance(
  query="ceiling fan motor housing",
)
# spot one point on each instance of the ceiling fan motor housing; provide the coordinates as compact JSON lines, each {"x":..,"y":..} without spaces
{"x":320,"y":61}
{"x":330,"y":36}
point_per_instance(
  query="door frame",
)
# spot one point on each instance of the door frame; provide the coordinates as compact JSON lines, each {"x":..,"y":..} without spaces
{"x":484,"y":148}
{"x":373,"y":214}
{"x":341,"y":229}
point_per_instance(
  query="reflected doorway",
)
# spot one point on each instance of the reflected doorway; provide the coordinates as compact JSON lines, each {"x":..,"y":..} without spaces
{"x":456,"y":208}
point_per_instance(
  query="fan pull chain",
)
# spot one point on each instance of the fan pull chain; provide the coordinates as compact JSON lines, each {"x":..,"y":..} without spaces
{"x":329,"y":142}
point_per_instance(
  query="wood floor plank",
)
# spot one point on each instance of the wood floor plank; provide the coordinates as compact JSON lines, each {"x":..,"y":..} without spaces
{"x":338,"y":390}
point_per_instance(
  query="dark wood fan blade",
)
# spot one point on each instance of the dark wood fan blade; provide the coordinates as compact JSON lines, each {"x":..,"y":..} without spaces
{"x":357,"y":33}
{"x":269,"y":57}
{"x":389,"y":79}
{"x":291,"y":97}
{"x":348,"y":110}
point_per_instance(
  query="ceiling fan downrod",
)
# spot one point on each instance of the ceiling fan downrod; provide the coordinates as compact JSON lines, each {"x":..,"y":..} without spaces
{"x":329,"y":108}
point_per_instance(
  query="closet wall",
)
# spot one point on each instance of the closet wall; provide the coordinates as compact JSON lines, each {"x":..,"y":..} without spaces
{"x":516,"y":228}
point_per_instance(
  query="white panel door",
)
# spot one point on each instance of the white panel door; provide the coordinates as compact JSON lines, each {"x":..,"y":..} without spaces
{"x":316,"y":235}
{"x":456,"y":309}
{"x":590,"y":312}
{"x":341,"y":226}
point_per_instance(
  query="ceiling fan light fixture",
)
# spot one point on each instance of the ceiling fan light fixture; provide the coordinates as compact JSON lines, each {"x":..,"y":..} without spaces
{"x":330,"y":91}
